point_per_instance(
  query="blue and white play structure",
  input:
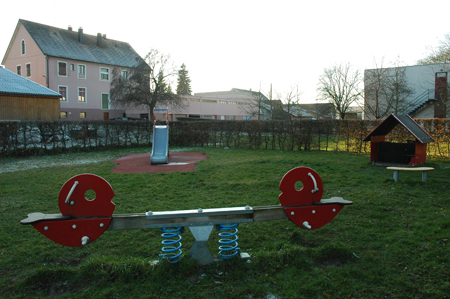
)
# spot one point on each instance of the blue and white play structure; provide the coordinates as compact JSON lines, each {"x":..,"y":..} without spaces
{"x":160,"y":144}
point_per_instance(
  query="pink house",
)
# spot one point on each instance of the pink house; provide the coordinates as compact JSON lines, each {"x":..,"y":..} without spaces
{"x":74,"y":64}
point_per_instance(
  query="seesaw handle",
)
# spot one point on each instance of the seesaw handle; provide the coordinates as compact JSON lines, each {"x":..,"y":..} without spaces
{"x":315,"y":183}
{"x":71,"y":191}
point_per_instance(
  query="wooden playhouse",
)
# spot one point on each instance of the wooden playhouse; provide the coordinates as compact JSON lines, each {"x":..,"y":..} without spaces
{"x":410,"y":153}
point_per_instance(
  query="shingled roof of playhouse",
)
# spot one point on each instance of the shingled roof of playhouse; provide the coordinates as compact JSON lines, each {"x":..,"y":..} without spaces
{"x":407,"y":122}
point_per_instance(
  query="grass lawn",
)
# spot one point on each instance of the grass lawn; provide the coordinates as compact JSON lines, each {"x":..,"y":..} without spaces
{"x":393,"y":242}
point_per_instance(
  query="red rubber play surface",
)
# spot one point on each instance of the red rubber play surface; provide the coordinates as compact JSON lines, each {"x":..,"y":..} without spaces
{"x":140,"y":163}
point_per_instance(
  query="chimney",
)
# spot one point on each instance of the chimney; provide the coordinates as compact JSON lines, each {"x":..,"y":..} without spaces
{"x":70,"y":28}
{"x":80,"y":35}
{"x":99,"y":40}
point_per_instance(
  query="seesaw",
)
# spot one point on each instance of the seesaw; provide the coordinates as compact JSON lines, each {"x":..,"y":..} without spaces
{"x":82,"y":221}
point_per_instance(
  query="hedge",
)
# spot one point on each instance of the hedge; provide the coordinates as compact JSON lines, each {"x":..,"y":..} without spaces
{"x":40,"y":137}
{"x":337,"y":135}
{"x":26,"y":138}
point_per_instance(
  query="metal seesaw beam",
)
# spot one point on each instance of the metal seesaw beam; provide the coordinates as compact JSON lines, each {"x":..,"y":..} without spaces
{"x":204,"y":217}
{"x":200,"y":217}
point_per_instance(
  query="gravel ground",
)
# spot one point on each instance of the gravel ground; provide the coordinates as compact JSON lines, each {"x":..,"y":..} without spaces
{"x":19,"y":164}
{"x":12,"y":165}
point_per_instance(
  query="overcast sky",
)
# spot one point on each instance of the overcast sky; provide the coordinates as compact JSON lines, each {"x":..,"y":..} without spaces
{"x":251,"y":44}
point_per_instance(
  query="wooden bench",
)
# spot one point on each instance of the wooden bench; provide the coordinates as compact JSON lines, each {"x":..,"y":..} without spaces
{"x":423,"y":169}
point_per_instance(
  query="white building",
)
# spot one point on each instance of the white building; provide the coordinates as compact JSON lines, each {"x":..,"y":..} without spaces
{"x":429,"y":84}
{"x":236,"y":104}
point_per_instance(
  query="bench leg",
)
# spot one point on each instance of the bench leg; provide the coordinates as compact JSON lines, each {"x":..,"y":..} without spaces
{"x":396,"y":175}
{"x":424,"y":176}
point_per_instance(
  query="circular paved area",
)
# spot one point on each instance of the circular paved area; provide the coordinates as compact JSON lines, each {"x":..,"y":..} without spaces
{"x":140,"y":163}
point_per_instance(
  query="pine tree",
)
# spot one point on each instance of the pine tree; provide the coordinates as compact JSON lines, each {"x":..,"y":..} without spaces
{"x":184,"y":83}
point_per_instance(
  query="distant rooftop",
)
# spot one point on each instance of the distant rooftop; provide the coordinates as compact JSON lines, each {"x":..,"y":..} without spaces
{"x":65,"y":43}
{"x":232,"y":94}
{"x":11,"y":83}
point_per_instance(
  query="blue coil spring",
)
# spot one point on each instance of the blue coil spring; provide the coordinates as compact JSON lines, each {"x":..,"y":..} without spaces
{"x":228,"y":248}
{"x":171,"y":249}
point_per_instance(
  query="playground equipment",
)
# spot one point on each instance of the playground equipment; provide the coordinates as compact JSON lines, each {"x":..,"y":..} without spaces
{"x":82,"y":221}
{"x":160,"y":143}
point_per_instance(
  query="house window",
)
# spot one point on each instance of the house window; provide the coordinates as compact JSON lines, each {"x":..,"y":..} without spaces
{"x":63,"y":92}
{"x":22,"y":47}
{"x":125,"y":75}
{"x":209,"y":101}
{"x":63,"y":114}
{"x":82,"y":71}
{"x":104,"y":74}
{"x":105,"y":100}
{"x":81,"y":94}
{"x":28,"y":68}
{"x":82,"y":114}
{"x":62,"y":69}
{"x":72,"y":68}
{"x":19,"y":70}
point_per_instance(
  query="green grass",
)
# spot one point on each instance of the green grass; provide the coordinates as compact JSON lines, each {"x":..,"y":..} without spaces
{"x":393,"y":242}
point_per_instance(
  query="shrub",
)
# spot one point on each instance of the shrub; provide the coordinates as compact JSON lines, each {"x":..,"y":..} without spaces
{"x":46,"y":137}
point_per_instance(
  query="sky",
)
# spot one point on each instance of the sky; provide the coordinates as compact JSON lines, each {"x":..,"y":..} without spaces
{"x":248,"y":44}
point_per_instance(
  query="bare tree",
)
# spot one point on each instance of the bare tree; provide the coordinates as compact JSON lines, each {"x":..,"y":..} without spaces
{"x":291,"y":100}
{"x":385,"y":90}
{"x":399,"y":89}
{"x":440,"y":54}
{"x":339,"y":85}
{"x":376,"y":82}
{"x":147,"y":85}
{"x":256,"y":103}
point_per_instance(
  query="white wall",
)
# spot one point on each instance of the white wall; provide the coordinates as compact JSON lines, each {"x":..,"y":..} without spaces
{"x":422,"y":78}
{"x":228,"y":108}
